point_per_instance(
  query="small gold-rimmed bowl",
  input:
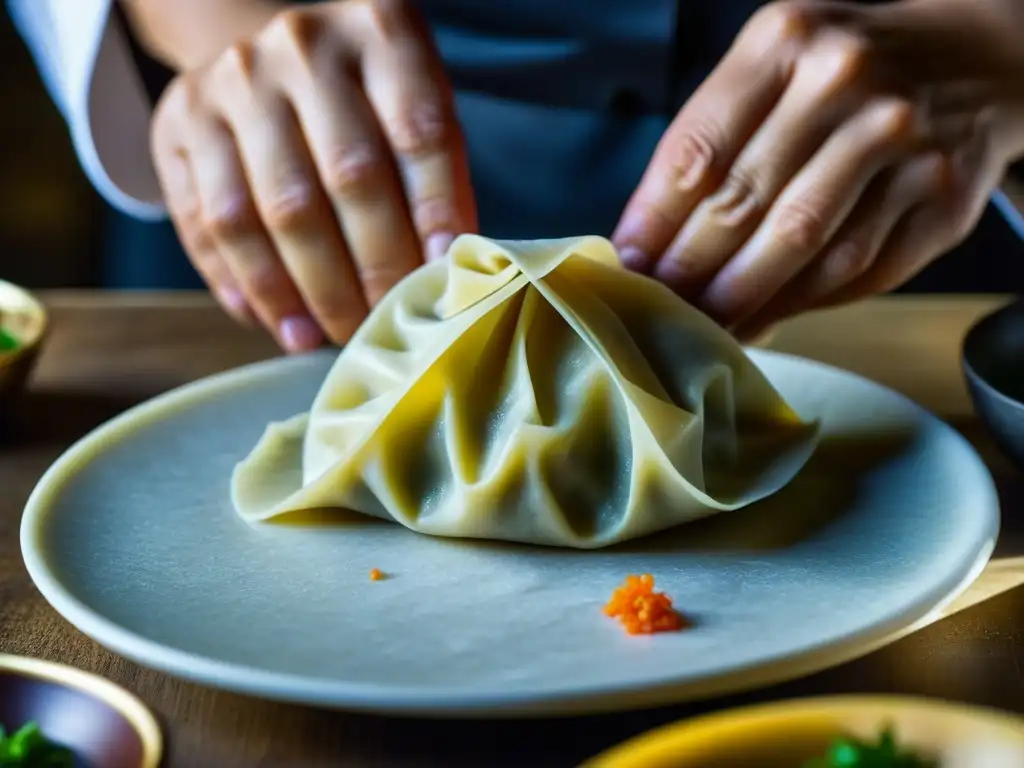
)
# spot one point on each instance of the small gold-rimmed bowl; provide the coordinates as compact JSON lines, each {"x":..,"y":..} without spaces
{"x":102,"y":724}
{"x":23,"y":325}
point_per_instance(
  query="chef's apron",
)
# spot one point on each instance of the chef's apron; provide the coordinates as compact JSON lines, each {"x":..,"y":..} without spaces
{"x":561,"y":102}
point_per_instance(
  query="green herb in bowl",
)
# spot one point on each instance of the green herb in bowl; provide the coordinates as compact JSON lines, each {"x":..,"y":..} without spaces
{"x":29,"y":748}
{"x":848,"y":752}
{"x":7,"y":341}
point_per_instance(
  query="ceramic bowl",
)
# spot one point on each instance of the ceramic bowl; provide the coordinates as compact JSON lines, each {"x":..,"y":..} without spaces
{"x":23,"y":317}
{"x":788,"y":734}
{"x":101,"y":723}
{"x":993,"y":363}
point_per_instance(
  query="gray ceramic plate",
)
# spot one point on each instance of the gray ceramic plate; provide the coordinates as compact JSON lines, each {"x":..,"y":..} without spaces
{"x":131,"y":536}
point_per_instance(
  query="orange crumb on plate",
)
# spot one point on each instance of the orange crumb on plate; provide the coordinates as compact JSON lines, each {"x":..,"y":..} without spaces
{"x":376,"y":574}
{"x":641,"y":610}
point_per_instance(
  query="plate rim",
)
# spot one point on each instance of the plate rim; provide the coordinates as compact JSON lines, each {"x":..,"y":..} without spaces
{"x":456,"y":703}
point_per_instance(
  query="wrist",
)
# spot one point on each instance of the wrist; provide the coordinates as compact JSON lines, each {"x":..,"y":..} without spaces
{"x":186,"y":34}
{"x":976,"y":36}
{"x":970,"y":40}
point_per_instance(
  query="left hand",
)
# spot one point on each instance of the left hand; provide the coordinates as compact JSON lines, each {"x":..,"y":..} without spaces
{"x":833,"y":153}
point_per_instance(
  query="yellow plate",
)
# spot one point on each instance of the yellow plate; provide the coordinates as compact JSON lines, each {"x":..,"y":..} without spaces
{"x":786,"y":734}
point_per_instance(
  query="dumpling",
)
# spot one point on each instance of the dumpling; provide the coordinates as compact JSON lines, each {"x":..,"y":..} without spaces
{"x":531,"y":391}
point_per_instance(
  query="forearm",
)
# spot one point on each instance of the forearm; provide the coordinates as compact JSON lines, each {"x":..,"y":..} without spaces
{"x":184,"y":34}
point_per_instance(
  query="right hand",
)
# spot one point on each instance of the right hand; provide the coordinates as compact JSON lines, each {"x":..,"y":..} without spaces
{"x":309,"y":169}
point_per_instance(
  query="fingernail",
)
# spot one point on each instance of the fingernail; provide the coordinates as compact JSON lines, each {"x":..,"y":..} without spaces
{"x":437,"y":245}
{"x":300,"y":334}
{"x":635,"y":259}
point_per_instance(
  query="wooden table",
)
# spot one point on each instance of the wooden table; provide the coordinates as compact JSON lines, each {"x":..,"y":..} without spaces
{"x":108,"y":352}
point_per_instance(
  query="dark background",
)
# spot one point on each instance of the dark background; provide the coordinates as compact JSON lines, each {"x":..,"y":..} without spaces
{"x":53,"y":225}
{"x":51,"y":220}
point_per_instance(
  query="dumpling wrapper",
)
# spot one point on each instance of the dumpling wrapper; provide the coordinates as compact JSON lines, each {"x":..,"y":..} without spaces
{"x":531,"y":391}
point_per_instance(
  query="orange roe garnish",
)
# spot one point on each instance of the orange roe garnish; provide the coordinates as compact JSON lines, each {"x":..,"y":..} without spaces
{"x":376,"y":574}
{"x":641,"y":610}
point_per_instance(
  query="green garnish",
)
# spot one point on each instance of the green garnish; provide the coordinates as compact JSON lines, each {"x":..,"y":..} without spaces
{"x":29,"y":748}
{"x":848,"y":752}
{"x":7,"y":342}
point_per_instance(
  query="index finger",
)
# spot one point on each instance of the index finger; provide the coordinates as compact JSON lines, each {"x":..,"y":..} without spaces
{"x":707,"y":135}
{"x":405,"y":82}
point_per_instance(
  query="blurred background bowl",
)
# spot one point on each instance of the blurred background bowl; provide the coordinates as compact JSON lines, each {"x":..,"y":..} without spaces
{"x":103,"y":724}
{"x":23,"y":317}
{"x":788,"y":734}
{"x":993,"y":363}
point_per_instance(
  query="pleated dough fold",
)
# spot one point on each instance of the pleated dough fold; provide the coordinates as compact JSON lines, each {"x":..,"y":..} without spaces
{"x":531,"y":391}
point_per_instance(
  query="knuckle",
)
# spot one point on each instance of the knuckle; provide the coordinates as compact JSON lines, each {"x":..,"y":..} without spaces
{"x":290,"y":209}
{"x":263,"y":282}
{"x":846,"y":58}
{"x":191,"y":227}
{"x":205,"y":257}
{"x":895,"y":120}
{"x":387,"y":18}
{"x":691,"y":158}
{"x":178,"y":98}
{"x":784,"y":23}
{"x":179,"y":101}
{"x":201,"y":249}
{"x":848,"y":259}
{"x":236,"y":65}
{"x":420,"y":129}
{"x":209,"y":264}
{"x":838,"y":60}
{"x":801,"y":227}
{"x":229,"y":220}
{"x":355,"y":173}
{"x":286,"y":27}
{"x":940,"y":175}
{"x":292,"y":32}
{"x":739,"y":201}
{"x":432,"y":214}
{"x":190,"y":215}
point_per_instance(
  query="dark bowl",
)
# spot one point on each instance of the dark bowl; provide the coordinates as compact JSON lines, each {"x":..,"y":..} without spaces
{"x":102,"y":724}
{"x":993,"y":361}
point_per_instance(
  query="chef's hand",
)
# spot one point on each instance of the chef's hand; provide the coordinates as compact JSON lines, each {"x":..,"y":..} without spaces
{"x":309,"y":168}
{"x":833,"y":153}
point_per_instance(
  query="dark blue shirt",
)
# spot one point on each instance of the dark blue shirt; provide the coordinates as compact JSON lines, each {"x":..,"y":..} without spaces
{"x":561,"y":103}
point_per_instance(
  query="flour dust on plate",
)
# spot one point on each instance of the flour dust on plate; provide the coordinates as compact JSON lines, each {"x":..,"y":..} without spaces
{"x":132,"y":537}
